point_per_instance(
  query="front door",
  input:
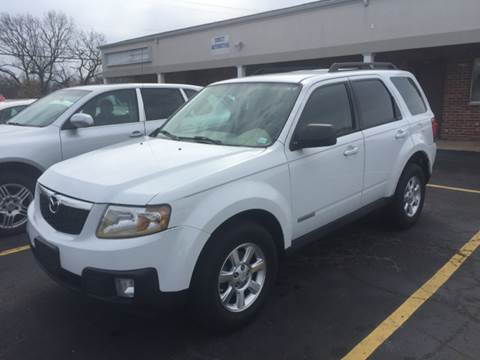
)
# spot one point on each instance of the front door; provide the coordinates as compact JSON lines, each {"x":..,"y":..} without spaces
{"x":327,"y":181}
{"x":116,"y":119}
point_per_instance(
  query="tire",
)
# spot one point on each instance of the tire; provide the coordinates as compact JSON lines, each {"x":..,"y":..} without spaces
{"x":16,"y":193}
{"x":207,"y":289}
{"x":407,"y":203}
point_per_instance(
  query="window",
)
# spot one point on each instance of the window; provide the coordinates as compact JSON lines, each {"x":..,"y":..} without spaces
{"x":161,"y":103}
{"x":114,"y":107}
{"x":410,"y":94}
{"x":10,"y":112}
{"x":329,"y":104}
{"x":375,"y":104}
{"x":190,"y":93}
{"x":475,"y":93}
{"x":45,"y":111}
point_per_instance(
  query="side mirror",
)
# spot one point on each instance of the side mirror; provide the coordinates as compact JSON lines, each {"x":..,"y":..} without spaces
{"x":81,"y":120}
{"x":314,"y":135}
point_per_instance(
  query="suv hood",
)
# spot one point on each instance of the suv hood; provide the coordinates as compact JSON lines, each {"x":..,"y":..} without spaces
{"x":134,"y":173}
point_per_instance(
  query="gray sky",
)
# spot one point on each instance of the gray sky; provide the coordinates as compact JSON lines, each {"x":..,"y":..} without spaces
{"x":120,"y":20}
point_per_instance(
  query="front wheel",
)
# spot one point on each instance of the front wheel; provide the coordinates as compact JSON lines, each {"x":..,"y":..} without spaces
{"x":236,"y":271}
{"x":409,"y":197}
{"x":16,"y":193}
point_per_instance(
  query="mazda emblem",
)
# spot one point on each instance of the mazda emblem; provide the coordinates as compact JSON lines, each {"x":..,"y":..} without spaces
{"x":53,"y":204}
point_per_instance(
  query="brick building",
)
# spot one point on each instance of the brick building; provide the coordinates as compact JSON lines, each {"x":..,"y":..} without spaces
{"x":437,"y":40}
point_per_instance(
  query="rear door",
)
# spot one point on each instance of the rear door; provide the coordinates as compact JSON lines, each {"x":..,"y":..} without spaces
{"x":116,"y":118}
{"x":385,"y":131}
{"x":159,"y":104}
{"x":417,"y":105}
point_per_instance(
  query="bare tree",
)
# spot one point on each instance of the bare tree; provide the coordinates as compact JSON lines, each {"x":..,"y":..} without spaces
{"x":35,"y":47}
{"x":88,"y":59}
{"x":54,"y":34}
{"x":15,"y":46}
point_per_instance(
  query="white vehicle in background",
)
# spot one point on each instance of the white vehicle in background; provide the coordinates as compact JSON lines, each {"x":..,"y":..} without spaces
{"x":70,"y":122}
{"x":249,"y":168}
{"x":10,"y":108}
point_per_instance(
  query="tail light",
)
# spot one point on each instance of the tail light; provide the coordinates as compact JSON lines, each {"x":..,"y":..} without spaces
{"x":434,"y":129}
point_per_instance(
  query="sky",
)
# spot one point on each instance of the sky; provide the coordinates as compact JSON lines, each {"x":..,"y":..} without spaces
{"x":120,"y":20}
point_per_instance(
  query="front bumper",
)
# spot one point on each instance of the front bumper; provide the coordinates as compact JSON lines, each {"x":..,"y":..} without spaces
{"x":100,"y":283}
{"x":170,"y":255}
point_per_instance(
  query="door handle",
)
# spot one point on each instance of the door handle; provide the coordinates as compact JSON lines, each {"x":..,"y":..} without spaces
{"x":136,"y":133}
{"x":401,"y":133}
{"x":351,"y":150}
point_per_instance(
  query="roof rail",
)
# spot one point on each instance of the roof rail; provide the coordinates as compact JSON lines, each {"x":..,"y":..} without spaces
{"x":351,"y":66}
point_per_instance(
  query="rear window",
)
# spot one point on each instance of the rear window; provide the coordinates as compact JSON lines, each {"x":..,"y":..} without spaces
{"x":410,"y":93}
{"x":376,"y":105}
{"x":161,"y":103}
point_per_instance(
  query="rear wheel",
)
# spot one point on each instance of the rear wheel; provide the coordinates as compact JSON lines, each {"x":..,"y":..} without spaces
{"x":16,"y":193}
{"x":409,"y":197}
{"x":236,"y":271}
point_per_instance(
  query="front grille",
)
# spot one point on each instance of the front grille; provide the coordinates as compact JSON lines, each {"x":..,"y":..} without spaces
{"x":66,"y":216}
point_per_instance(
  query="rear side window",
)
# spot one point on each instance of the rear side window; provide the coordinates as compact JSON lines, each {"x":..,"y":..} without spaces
{"x":410,"y":93}
{"x":329,"y":104}
{"x":161,"y":103}
{"x":190,"y":93}
{"x":376,"y":105}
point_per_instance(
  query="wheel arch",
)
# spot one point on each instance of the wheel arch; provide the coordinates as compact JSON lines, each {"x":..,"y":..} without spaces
{"x":16,"y":166}
{"x":260,"y":216}
{"x":420,"y":158}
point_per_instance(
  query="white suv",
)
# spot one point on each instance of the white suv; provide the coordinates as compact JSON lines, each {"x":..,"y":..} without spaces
{"x":246,"y":170}
{"x":70,"y":122}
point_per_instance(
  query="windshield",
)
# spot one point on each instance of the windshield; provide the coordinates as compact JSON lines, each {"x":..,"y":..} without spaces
{"x":46,"y":110}
{"x":236,"y":114}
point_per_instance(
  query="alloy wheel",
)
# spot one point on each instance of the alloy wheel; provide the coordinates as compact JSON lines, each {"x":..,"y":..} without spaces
{"x":242,"y":277}
{"x":14,"y":201}
{"x":412,"y":196}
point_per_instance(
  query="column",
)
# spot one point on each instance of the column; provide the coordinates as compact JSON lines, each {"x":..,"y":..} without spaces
{"x":240,"y":71}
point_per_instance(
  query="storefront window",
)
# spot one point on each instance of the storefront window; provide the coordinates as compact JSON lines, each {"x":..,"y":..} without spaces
{"x":475,"y":93}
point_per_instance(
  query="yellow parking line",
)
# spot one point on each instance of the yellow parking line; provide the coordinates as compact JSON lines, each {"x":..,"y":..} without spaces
{"x":378,"y":336}
{"x":14,"y":250}
{"x":453,"y":188}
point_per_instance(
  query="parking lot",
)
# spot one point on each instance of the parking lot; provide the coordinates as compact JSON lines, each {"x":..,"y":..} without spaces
{"x":330,"y":296}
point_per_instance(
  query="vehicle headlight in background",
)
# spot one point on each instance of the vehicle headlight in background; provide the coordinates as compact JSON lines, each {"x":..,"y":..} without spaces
{"x":123,"y":222}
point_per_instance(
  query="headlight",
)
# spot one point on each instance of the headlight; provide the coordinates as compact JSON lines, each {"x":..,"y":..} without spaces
{"x":122,"y":222}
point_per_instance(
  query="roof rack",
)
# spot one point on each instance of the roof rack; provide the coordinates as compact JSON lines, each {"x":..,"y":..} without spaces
{"x":351,"y":66}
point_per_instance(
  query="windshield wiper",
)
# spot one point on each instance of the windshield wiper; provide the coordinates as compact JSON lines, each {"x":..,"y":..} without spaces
{"x":14,"y":123}
{"x":167,"y":134}
{"x":203,"y":139}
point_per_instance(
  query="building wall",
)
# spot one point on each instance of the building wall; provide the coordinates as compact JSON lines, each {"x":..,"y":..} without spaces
{"x":461,"y":120}
{"x":339,"y":28}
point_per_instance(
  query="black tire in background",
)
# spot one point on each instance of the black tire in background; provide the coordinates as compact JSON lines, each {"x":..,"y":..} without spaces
{"x":206,"y":304}
{"x":398,"y":214}
{"x":14,"y":183}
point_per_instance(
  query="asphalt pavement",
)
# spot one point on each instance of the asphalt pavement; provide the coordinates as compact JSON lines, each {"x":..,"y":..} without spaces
{"x":330,"y":295}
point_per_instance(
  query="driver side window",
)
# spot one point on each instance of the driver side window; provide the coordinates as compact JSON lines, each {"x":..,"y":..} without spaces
{"x":329,"y":104}
{"x":113,"y":107}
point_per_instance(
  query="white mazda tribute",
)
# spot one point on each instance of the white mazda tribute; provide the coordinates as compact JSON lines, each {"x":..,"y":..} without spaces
{"x":203,"y":208}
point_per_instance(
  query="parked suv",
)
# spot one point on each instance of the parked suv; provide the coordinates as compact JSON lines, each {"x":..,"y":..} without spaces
{"x":70,"y":122}
{"x":249,"y":168}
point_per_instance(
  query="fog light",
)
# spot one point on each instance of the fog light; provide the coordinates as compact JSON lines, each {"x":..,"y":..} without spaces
{"x":125,"y":287}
